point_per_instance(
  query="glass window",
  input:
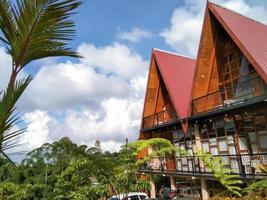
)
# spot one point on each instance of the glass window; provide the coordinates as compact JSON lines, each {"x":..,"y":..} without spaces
{"x":252,"y":137}
{"x":134,"y":197}
{"x":188,"y":136}
{"x":263,"y":141}
{"x":205,"y":146}
{"x":204,"y":132}
{"x":222,"y":145}
{"x":180,"y":134}
{"x":254,"y":148}
{"x":142,"y":197}
{"x":229,"y":125}
{"x":243,"y":143}
{"x":219,"y":122}
{"x":214,"y":151}
{"x":211,"y":129}
{"x":175,"y":136}
{"x":220,"y":132}
{"x":232,"y":150}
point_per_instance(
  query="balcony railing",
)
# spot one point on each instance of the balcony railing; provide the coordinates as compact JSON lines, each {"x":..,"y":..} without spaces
{"x":244,"y":165}
{"x":248,"y":87}
{"x":159,"y":118}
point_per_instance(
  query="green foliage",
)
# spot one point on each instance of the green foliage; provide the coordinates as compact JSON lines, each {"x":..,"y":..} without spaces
{"x":50,"y":160}
{"x":161,"y":148}
{"x":262,"y":168}
{"x":75,"y":181}
{"x":9,"y":190}
{"x":64,"y":170}
{"x":37,"y":29}
{"x":30,"y":30}
{"x":221,"y":172}
{"x":8,"y":117}
{"x":164,"y":148}
{"x":257,"y":188}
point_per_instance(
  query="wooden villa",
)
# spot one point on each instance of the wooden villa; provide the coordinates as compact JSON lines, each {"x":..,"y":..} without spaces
{"x":217,"y":102}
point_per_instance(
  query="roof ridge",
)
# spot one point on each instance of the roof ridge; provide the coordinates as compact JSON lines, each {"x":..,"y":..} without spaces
{"x":238,"y":13}
{"x":176,"y":54}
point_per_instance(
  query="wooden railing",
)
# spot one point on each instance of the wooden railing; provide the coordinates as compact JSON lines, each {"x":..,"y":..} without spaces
{"x":244,"y":165}
{"x":159,"y":118}
{"x":250,"y":87}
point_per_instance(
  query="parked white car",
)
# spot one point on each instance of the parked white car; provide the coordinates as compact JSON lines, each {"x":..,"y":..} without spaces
{"x":130,"y":196}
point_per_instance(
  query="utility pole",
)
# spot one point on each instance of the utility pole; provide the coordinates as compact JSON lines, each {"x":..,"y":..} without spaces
{"x":125,"y":167}
{"x":45,"y":179}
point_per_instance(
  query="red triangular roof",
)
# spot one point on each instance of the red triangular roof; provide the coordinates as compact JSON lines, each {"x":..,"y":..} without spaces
{"x":177,"y":73}
{"x":249,"y":35}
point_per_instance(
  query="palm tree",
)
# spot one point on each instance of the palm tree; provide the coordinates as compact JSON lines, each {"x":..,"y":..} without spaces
{"x":30,"y":30}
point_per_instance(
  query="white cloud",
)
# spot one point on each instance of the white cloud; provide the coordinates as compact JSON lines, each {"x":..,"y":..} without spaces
{"x":121,"y":120}
{"x":37,"y":132}
{"x":134,"y":35}
{"x":186,"y":22}
{"x":5,"y":68}
{"x":116,"y":59}
{"x":104,"y":72}
{"x":100,"y":97}
{"x":68,"y":85}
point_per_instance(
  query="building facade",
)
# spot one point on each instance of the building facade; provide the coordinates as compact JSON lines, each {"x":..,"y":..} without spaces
{"x":216,"y":102}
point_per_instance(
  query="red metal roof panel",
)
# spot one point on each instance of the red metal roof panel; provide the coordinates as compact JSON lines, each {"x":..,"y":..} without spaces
{"x":177,"y":73}
{"x":249,"y":35}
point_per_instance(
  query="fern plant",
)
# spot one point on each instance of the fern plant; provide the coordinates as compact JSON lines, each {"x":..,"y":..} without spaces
{"x":257,"y":188}
{"x":164,"y":148}
{"x":222,"y":173}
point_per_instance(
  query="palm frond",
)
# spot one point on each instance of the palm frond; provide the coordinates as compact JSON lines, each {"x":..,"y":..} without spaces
{"x":8,"y":118}
{"x":262,"y":168}
{"x":37,"y":29}
{"x":219,"y":170}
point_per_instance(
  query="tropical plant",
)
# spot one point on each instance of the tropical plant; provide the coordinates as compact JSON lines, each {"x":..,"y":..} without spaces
{"x":258,"y":187}
{"x":8,"y":117}
{"x":30,"y":30}
{"x":221,"y":172}
{"x":9,"y":190}
{"x":73,"y":181}
{"x":65,"y":170}
{"x":164,"y":148}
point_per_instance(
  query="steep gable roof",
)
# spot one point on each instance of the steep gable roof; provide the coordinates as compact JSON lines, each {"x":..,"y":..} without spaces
{"x":177,"y":73}
{"x":249,"y":35}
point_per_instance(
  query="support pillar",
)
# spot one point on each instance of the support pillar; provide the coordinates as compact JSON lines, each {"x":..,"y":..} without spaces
{"x":173,"y":183}
{"x":198,"y":145}
{"x":152,"y":187}
{"x":203,"y":183}
{"x":204,"y":189}
{"x":197,"y":136}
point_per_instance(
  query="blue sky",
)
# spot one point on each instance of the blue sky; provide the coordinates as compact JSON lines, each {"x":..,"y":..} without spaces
{"x":99,"y":21}
{"x":101,"y":96}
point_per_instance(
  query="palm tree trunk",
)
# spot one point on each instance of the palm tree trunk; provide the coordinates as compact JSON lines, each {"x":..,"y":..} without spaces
{"x":13,"y":76}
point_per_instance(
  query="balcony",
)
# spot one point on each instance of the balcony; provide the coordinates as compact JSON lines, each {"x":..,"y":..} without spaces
{"x":249,"y":88}
{"x":159,"y":118}
{"x":244,"y":165}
